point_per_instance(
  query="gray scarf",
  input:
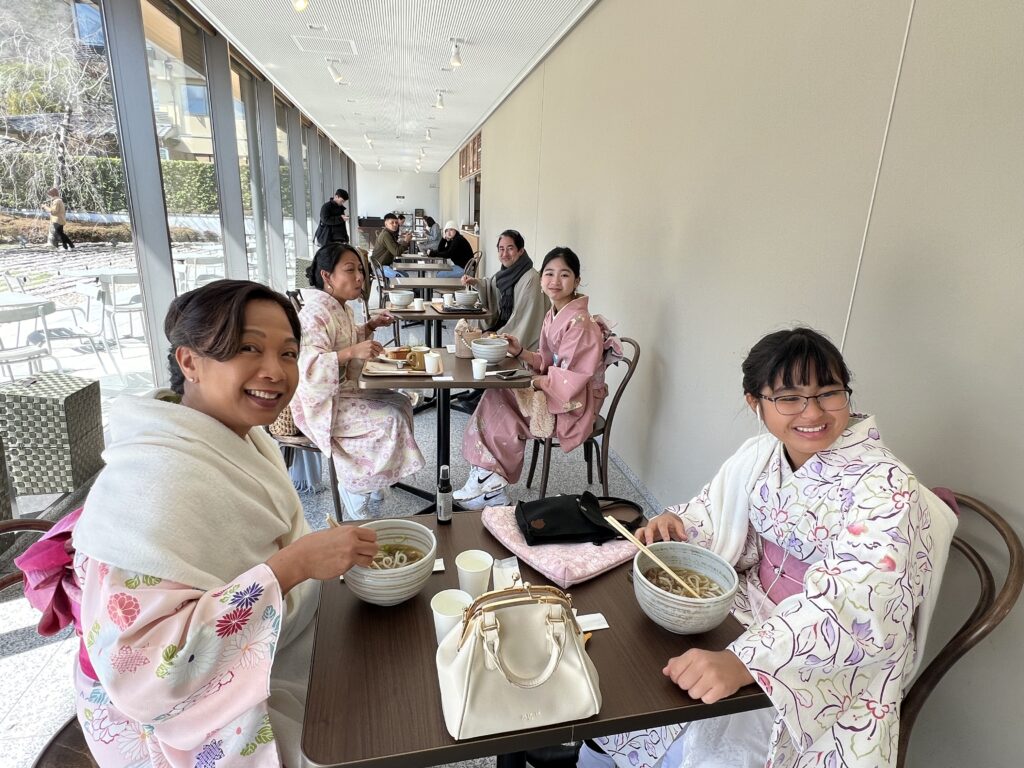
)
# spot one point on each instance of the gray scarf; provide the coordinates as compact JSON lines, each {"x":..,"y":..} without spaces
{"x":506,"y":280}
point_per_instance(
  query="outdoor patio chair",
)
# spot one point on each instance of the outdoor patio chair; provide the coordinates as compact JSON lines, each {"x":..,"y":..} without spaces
{"x":990,"y":609}
{"x":36,"y":346}
{"x":602,"y":428}
{"x":75,"y":330}
{"x":118,"y":302}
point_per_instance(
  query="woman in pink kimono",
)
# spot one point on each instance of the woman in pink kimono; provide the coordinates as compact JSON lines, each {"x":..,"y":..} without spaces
{"x":570,"y":373}
{"x":369,"y":434}
{"x":840,"y":552}
{"x":197,"y":569}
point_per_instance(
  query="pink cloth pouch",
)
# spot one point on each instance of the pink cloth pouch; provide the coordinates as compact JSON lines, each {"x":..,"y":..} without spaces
{"x":50,"y":585}
{"x":563,"y":564}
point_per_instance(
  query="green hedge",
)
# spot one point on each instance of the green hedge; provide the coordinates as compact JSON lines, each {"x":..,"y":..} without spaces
{"x":97,"y":184}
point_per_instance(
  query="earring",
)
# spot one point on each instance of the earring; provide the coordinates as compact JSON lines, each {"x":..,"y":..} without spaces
{"x":193,"y":381}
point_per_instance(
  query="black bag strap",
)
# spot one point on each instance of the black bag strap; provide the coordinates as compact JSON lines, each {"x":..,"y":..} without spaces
{"x":596,"y":507}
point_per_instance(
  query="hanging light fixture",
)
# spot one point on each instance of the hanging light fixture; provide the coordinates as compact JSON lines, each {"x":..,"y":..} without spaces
{"x":427,"y":137}
{"x":439,"y":104}
{"x":300,"y":5}
{"x":456,"y":58}
{"x":423,"y":153}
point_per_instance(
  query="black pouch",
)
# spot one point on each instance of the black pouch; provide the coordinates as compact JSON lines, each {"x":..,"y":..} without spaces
{"x":572,"y":518}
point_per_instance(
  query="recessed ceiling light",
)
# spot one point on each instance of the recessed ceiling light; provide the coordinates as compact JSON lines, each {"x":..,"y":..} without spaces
{"x":300,"y":5}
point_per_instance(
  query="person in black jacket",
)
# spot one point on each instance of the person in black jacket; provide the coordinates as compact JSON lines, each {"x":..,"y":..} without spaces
{"x":332,"y":228}
{"x":455,"y":248}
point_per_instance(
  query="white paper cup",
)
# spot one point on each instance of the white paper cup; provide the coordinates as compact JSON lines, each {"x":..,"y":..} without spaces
{"x":447,"y":607}
{"x":479,"y":368}
{"x":474,"y":566}
{"x":417,"y":304}
{"x":432,"y":363}
{"x":449,"y":299}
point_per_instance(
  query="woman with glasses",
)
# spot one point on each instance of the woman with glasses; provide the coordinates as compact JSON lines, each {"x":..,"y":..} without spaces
{"x":840,"y":553}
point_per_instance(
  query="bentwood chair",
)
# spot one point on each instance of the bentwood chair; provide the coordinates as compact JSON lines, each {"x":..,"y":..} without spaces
{"x":67,"y":748}
{"x":473,"y":265}
{"x":602,"y":428}
{"x":990,"y":609}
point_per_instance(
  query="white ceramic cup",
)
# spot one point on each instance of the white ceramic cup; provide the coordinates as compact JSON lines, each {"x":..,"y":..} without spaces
{"x":474,"y":566}
{"x":449,"y":299}
{"x":417,"y":305}
{"x":479,"y":368}
{"x":432,"y":363}
{"x":447,"y":607}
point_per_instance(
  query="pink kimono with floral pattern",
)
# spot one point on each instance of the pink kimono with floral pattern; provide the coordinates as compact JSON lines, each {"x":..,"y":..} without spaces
{"x":572,"y":351}
{"x":369,"y":433}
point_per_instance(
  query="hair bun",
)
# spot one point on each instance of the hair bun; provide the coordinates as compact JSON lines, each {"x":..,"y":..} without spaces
{"x":310,"y":271}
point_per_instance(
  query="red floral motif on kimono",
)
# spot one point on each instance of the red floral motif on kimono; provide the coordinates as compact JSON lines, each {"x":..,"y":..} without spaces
{"x":123,"y":609}
{"x":233,"y":622}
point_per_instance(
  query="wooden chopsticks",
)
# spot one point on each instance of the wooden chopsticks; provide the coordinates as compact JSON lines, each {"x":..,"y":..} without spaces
{"x":657,"y":561}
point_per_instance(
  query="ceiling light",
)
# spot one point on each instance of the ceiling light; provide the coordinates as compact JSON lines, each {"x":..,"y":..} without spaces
{"x":423,"y":153}
{"x":335,"y":72}
{"x":427,"y":136}
{"x":367,"y":139}
{"x":439,"y":104}
{"x":316,"y":27}
{"x":379,"y":166}
{"x":417,"y":169}
{"x":456,"y":59}
{"x":300,"y":5}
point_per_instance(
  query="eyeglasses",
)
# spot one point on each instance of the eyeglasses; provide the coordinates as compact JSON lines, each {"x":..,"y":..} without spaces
{"x":791,"y":405}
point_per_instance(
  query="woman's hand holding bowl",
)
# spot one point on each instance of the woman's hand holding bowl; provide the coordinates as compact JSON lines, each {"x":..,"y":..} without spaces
{"x":515,"y":346}
{"x":665,"y":527}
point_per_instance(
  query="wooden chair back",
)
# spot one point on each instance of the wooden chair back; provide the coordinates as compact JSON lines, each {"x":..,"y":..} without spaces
{"x":473,"y":265}
{"x":991,"y":608}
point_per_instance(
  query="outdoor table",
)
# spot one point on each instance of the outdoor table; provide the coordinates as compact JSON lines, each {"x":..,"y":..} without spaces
{"x":373,"y":697}
{"x":457,"y":373}
{"x":433,"y":318}
{"x":14,"y":299}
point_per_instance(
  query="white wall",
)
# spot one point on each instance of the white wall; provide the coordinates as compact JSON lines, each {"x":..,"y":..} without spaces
{"x":379,"y":192}
{"x":713,"y":164}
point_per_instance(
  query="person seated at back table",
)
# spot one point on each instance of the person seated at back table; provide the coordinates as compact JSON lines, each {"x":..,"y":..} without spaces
{"x":433,"y":239}
{"x":840,"y":552}
{"x":456,"y":249}
{"x":570,"y":366}
{"x":390,"y":245}
{"x":368,"y":433}
{"x":197,"y":568}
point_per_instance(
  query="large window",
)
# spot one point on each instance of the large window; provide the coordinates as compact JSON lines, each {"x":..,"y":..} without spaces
{"x":254,"y":206}
{"x":177,"y":78}
{"x":287,"y":201}
{"x":81,"y":306}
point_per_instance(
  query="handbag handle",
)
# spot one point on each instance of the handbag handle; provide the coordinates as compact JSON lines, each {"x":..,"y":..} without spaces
{"x":556,"y":640}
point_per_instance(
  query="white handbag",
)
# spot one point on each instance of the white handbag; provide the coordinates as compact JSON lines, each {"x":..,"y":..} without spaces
{"x":517,"y":661}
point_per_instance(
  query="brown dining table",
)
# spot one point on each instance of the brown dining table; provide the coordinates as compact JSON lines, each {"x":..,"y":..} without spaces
{"x":456,"y":373}
{"x":373,"y":698}
{"x":433,"y":316}
{"x":443,"y":284}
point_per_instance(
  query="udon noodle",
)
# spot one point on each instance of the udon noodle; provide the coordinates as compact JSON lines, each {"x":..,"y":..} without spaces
{"x":701,"y":584}
{"x":395,"y":556}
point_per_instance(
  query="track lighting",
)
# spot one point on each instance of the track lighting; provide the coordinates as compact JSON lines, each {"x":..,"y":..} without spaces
{"x":335,"y":72}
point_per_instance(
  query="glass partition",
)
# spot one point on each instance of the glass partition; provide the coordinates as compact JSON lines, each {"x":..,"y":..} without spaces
{"x":181,"y":106}
{"x":254,"y":207}
{"x":70,"y":294}
{"x":287,"y":201}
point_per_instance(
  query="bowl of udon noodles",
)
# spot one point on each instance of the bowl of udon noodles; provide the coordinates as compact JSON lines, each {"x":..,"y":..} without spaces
{"x":405,"y":559}
{"x":667,"y":604}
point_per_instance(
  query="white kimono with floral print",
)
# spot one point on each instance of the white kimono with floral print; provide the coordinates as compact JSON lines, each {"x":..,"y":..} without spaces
{"x":369,"y":433}
{"x":833,"y":657}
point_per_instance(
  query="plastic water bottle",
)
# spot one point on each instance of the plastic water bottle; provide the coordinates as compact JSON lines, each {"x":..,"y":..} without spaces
{"x":444,"y":497}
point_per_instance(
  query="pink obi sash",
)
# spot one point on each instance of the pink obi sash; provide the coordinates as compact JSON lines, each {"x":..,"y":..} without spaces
{"x":780,"y":580}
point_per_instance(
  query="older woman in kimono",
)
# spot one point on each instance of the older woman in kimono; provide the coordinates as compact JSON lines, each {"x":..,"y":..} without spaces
{"x":197,"y":569}
{"x":570,"y":373}
{"x":840,"y":551}
{"x":368,"y":434}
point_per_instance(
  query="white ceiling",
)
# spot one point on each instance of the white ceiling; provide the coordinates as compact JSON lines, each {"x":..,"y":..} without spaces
{"x":395,"y":55}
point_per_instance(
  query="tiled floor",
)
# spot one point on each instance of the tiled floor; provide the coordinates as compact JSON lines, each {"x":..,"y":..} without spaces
{"x":35,"y":673}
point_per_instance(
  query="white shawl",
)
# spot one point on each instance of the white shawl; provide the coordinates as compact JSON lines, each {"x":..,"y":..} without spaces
{"x":729,"y":509}
{"x":184,"y":498}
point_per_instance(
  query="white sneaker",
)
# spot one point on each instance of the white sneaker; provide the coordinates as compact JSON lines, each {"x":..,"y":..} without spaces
{"x":498,"y":498}
{"x":356,"y":504}
{"x":480,"y":481}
